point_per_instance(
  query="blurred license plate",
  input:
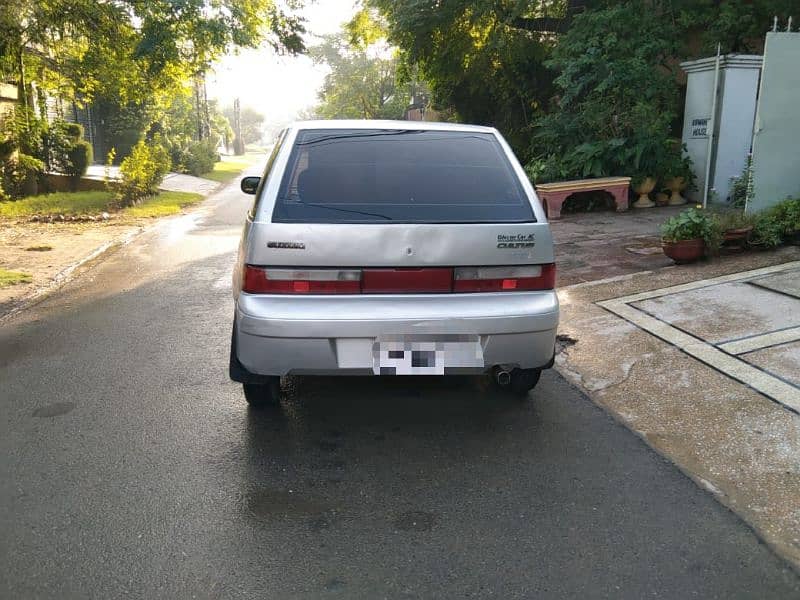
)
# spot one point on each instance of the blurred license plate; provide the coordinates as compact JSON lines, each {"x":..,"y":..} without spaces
{"x":425,"y":355}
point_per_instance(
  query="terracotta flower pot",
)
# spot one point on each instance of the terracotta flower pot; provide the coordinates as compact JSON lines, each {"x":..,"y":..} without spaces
{"x":736,"y":239}
{"x":676,"y":185}
{"x":737,"y":234}
{"x":684,"y":251}
{"x":643,"y":189}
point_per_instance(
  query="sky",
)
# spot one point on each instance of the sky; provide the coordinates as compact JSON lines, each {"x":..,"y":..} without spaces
{"x":279,"y":86}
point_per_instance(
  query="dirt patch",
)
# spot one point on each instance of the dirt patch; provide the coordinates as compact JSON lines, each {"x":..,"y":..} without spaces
{"x":46,"y":250}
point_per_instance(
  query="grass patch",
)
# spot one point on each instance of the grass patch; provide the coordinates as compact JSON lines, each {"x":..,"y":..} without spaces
{"x":225,"y":170}
{"x":165,"y":203}
{"x":39,"y":248}
{"x":8,"y":278}
{"x":60,"y":203}
{"x":92,"y":203}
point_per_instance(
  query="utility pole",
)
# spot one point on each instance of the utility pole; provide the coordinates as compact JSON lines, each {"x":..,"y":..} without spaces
{"x":238,"y":143}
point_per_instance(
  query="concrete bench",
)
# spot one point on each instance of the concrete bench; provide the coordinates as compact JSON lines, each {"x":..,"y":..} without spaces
{"x":553,"y":195}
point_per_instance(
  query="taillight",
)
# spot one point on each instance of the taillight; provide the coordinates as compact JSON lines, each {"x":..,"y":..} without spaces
{"x":504,"y":279}
{"x":260,"y":280}
{"x":267,"y":280}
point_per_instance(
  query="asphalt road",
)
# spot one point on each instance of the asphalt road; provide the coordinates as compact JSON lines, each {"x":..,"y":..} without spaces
{"x":131,"y":466}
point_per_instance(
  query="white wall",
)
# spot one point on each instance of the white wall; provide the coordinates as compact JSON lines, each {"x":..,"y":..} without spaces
{"x":776,"y":145}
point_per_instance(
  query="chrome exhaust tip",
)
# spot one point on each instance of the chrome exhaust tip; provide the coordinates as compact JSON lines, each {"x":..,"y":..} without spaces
{"x":501,"y":376}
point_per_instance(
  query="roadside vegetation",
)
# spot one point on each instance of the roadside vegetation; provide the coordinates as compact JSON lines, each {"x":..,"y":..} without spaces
{"x":574,"y":87}
{"x":96,"y":203}
{"x":8,"y":278}
{"x":228,"y":169}
{"x":163,"y":204}
{"x":134,"y":71}
{"x":64,"y":203}
{"x":715,"y":230}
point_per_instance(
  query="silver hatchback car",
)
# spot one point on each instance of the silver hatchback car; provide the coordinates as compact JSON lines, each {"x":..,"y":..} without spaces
{"x":392,"y":248}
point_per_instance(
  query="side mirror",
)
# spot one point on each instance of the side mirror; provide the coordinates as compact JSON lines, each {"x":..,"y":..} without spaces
{"x":250,"y":184}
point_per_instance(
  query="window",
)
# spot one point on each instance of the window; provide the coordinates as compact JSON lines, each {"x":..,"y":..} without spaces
{"x":406,"y":176}
{"x":267,"y":171}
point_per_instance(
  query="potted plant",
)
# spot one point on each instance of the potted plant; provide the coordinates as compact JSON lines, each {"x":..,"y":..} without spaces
{"x":735,"y":226}
{"x":686,"y":237}
{"x":643,"y":184}
{"x":678,"y":175}
{"x":644,"y":154}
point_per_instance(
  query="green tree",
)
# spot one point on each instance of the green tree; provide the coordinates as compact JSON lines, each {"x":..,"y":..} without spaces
{"x":131,"y":55}
{"x":482,"y":58}
{"x":737,"y":25}
{"x":363,"y":78}
{"x":76,"y":44}
{"x":251,"y":123}
{"x":616,"y":96}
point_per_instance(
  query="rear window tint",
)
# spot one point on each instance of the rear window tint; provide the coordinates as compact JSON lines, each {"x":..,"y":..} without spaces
{"x":407,"y":176}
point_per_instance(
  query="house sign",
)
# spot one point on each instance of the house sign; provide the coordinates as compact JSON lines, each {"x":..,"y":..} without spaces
{"x":699,"y":127}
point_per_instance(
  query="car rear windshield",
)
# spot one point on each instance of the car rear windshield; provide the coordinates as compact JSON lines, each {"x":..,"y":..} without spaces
{"x":405,"y":176}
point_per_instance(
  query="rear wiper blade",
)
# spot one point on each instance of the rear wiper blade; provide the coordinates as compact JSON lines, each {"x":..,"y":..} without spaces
{"x":345,"y":136}
{"x":347,"y":210}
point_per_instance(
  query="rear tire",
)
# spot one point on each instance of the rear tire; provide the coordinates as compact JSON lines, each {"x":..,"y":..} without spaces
{"x":523,"y":381}
{"x":259,"y":395}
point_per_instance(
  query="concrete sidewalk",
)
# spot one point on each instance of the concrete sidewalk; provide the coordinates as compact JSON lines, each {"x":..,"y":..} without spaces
{"x":173,"y":182}
{"x":703,"y":362}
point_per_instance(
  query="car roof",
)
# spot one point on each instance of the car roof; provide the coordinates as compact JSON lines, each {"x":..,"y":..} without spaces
{"x":381,"y":124}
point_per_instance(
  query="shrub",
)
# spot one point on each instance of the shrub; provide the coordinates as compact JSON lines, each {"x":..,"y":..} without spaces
{"x":7,"y":148}
{"x":19,"y":175}
{"x":178,"y":148}
{"x":190,"y":156}
{"x":545,"y":169}
{"x":767,"y":230}
{"x":141,"y":172}
{"x":79,"y":157}
{"x":73,"y":131}
{"x":56,"y":147}
{"x":787,"y":213}
{"x":66,"y":152}
{"x":615,"y":106}
{"x":733,"y":219}
{"x":742,"y":186}
{"x":201,"y":157}
{"x":26,"y":130}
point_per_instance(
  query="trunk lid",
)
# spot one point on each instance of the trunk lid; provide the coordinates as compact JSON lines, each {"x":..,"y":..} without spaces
{"x":399,"y":245}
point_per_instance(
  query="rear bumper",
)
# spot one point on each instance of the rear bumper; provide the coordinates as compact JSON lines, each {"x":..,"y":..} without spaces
{"x":280,"y":335}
